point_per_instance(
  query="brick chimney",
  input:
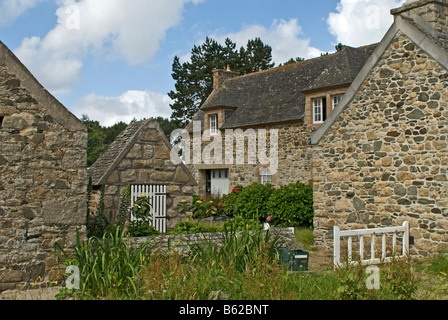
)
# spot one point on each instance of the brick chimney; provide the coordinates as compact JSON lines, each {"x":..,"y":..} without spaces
{"x":435,"y":12}
{"x":220,"y":76}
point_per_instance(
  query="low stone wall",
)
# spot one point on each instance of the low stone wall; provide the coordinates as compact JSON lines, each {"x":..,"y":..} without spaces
{"x":181,"y":243}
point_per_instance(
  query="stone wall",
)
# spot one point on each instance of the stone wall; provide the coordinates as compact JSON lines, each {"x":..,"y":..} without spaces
{"x":181,"y":243}
{"x":42,"y":177}
{"x":385,"y":158}
{"x":434,"y":12}
{"x":294,"y":155}
{"x":148,"y":162}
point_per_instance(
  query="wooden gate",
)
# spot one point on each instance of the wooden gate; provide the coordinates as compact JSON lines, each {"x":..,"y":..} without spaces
{"x":377,"y":238}
{"x":157,"y":198}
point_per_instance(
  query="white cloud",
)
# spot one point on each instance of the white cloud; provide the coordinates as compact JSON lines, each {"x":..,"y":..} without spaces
{"x":283,"y":36}
{"x":119,"y":29}
{"x":130,"y":105}
{"x":361,"y":22}
{"x":12,"y":9}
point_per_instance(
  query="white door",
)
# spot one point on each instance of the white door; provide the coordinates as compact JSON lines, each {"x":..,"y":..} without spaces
{"x":219,"y":182}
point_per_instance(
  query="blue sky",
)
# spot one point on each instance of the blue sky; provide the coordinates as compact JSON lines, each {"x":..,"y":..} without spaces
{"x":111,"y":59}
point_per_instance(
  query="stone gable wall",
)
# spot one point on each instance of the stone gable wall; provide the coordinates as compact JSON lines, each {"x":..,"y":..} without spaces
{"x":148,"y":162}
{"x":385,"y":159}
{"x":42,"y":185}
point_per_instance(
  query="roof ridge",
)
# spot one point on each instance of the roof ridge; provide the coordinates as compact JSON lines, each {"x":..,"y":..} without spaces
{"x":296,"y":64}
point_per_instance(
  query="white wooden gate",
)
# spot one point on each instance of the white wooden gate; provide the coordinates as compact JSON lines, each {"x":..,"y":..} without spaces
{"x":157,"y":198}
{"x":398,"y":233}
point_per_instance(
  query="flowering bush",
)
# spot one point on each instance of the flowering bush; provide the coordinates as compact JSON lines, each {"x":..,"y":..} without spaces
{"x":200,"y":208}
{"x":248,"y":202}
{"x":290,"y":205}
{"x":142,"y":224}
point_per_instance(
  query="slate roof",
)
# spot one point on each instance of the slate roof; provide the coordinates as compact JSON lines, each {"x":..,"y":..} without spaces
{"x":124,"y":141}
{"x":276,"y":95}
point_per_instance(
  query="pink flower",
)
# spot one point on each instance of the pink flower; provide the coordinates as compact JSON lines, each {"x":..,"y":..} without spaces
{"x":269,"y":219}
{"x":219,"y":204}
{"x":235,"y":189}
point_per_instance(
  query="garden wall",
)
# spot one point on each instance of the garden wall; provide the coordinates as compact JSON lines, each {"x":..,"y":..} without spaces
{"x":181,"y":243}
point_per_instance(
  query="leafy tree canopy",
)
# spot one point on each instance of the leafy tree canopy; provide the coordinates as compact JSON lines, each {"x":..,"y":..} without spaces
{"x":100,"y":137}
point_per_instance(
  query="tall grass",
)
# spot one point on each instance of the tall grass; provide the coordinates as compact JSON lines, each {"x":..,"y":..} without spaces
{"x":238,"y":249}
{"x":243,"y":267}
{"x":109,"y":268}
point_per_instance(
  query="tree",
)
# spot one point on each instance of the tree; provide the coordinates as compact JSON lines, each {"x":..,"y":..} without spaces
{"x":96,"y":137}
{"x":339,"y":47}
{"x":194,"y":79}
{"x":292,"y":60}
{"x":100,"y":137}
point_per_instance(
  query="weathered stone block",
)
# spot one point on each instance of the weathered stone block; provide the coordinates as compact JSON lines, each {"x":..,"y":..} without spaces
{"x":64,"y":211}
{"x":10,"y":276}
{"x":343,"y":205}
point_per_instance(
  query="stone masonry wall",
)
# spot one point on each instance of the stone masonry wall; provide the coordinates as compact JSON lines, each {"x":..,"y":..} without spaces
{"x":148,"y":162}
{"x":385,"y":159}
{"x":42,"y":183}
{"x":435,"y":12}
{"x":181,"y":243}
{"x":294,"y":155}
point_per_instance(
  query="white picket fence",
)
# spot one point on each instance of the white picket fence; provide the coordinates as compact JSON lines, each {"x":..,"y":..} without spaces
{"x":394,"y":250}
{"x":157,"y":198}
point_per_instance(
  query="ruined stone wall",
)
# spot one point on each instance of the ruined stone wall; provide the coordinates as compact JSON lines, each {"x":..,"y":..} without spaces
{"x":148,"y":162}
{"x":42,"y":181}
{"x":385,"y":159}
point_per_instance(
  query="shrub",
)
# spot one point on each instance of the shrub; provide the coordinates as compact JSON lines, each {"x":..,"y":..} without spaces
{"x":292,"y":205}
{"x":141,"y":225}
{"x":188,"y":227}
{"x":199,"y":208}
{"x":248,"y":202}
{"x":240,"y":224}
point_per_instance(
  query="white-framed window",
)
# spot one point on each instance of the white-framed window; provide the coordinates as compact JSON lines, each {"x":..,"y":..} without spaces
{"x":318,"y":112}
{"x":265,"y":176}
{"x":213,"y":124}
{"x":336,"y":100}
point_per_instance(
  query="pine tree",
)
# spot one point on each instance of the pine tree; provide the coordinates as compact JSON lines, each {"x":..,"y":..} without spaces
{"x":194,"y":79}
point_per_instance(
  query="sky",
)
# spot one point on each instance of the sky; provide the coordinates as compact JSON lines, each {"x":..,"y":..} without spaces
{"x":112,"y":59}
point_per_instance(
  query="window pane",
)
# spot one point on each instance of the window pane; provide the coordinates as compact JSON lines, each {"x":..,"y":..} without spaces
{"x":214,"y":124}
{"x":265,"y":176}
{"x":317,"y":109}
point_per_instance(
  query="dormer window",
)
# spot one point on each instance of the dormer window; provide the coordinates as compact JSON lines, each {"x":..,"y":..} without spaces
{"x":319,"y":110}
{"x":336,"y":100}
{"x":265,"y":176}
{"x":213,"y":124}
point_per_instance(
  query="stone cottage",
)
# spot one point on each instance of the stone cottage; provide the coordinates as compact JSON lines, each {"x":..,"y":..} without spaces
{"x":286,"y":104}
{"x":140,"y":158}
{"x":42,"y":176}
{"x":383,"y":152}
